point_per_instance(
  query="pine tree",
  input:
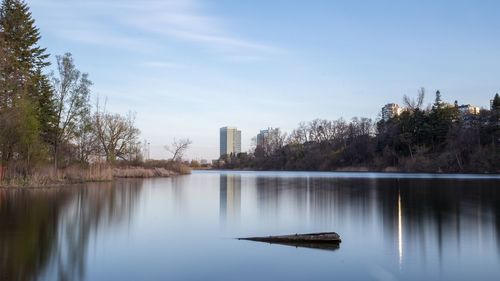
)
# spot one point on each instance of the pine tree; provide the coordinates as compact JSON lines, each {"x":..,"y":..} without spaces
{"x":25,"y":91}
{"x":23,"y":64}
{"x":496,"y":102}
{"x":438,"y":102}
{"x":22,"y":36}
{"x":46,"y":108}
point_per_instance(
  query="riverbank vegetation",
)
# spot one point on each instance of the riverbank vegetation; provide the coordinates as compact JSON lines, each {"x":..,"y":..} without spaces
{"x":50,"y":131}
{"x":439,"y":138}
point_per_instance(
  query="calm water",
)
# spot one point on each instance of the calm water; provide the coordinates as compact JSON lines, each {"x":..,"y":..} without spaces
{"x":394,"y":227}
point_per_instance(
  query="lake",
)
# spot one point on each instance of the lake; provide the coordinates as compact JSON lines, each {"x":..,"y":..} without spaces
{"x":393,"y":227}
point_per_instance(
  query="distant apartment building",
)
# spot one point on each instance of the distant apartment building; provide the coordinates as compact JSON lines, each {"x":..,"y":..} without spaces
{"x":261,"y":137}
{"x":467,"y":109}
{"x":391,"y":110}
{"x":230,"y":141}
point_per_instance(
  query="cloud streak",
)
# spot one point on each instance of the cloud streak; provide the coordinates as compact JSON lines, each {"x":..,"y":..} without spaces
{"x":119,"y":23}
{"x":163,"y":65}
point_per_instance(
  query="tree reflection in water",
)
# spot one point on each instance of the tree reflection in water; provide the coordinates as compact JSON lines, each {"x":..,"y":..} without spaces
{"x":44,"y":233}
{"x":410,"y":226}
{"x":431,"y":213}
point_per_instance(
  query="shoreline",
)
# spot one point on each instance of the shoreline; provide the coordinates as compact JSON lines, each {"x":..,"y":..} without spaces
{"x":171,"y":173}
{"x":74,"y":183}
{"x":355,"y":172}
{"x":112,"y":174}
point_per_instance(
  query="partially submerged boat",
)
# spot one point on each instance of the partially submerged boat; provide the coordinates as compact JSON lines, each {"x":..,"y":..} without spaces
{"x":321,"y":240}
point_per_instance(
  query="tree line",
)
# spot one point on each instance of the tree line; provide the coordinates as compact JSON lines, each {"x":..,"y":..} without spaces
{"x":438,"y":138}
{"x":46,"y":115}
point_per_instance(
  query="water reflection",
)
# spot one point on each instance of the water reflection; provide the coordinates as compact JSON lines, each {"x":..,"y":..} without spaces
{"x":44,"y":234}
{"x":400,"y":230}
{"x":408,"y":229}
{"x":229,"y":198}
{"x":423,"y":216}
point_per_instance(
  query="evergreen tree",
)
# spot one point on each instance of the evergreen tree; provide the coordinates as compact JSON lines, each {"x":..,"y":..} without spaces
{"x":9,"y":85}
{"x":19,"y":136}
{"x":438,"y":102}
{"x":26,"y":97}
{"x":23,"y":61}
{"x":21,"y":37}
{"x":46,"y":108}
{"x":496,"y":102}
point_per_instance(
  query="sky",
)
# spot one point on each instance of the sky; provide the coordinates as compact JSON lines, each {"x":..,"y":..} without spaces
{"x":189,"y":67}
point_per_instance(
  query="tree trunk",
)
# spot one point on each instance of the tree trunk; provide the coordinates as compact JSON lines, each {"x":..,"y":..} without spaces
{"x":56,"y":148}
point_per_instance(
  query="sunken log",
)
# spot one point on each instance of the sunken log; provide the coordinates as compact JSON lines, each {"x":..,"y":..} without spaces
{"x":300,"y":239}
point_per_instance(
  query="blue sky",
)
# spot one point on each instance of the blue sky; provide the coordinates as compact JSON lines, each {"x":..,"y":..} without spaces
{"x":188,"y":67}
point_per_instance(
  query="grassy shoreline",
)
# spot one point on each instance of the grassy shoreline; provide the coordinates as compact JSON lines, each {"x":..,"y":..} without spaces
{"x":46,"y":177}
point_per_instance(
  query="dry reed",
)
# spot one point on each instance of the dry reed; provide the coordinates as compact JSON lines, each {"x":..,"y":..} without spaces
{"x":139,"y":172}
{"x":47,"y":176}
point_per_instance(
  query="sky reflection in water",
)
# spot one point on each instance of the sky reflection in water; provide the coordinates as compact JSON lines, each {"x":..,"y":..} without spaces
{"x":392,"y":227}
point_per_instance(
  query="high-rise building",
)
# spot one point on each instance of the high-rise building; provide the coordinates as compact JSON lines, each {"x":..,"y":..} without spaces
{"x":230,"y":141}
{"x":468,"y":109}
{"x":391,"y":110}
{"x":261,"y":137}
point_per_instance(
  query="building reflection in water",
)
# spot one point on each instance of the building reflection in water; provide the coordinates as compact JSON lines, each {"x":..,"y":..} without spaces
{"x":229,"y":198}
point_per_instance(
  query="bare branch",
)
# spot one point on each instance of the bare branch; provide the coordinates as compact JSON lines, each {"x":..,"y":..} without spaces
{"x":178,"y":148}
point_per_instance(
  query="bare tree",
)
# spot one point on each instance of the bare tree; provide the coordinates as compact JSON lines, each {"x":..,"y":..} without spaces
{"x":319,"y":130}
{"x":341,"y":131}
{"x":415,"y":104}
{"x":116,"y":134}
{"x":86,"y":142}
{"x":299,"y":135}
{"x":71,"y":91}
{"x":272,"y":142}
{"x":178,"y":148}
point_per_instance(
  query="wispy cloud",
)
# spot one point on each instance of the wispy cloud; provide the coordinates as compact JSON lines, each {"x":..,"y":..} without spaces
{"x":108,"y":38}
{"x":116,"y":23}
{"x":163,"y":64}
